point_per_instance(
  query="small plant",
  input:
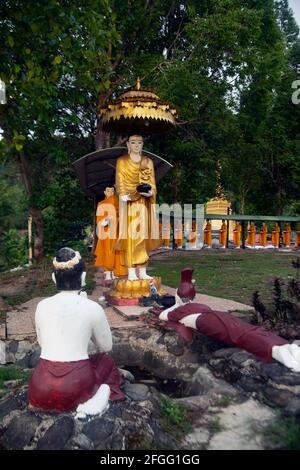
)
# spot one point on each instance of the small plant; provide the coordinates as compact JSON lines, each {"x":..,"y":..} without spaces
{"x":224,"y":401}
{"x":284,"y":434}
{"x":215,"y":426}
{"x":174,"y":416}
{"x":283,"y":315}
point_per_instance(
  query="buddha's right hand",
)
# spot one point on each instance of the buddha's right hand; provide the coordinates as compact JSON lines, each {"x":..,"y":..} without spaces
{"x":125,"y":198}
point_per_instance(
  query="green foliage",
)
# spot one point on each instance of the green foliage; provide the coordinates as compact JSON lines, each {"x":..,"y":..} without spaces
{"x":227,"y":65}
{"x":224,"y":401}
{"x":174,"y":416}
{"x":284,"y":434}
{"x":15,"y":248}
{"x":214,"y":426}
{"x":12,"y":372}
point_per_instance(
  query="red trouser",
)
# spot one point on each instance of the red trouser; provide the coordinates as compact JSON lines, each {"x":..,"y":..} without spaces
{"x":229,"y":329}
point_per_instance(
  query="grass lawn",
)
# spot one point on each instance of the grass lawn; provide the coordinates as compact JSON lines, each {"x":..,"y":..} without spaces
{"x":228,"y":274}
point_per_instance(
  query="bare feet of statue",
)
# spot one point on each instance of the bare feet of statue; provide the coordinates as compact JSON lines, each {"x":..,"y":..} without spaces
{"x":288,"y":355}
{"x":143,"y":275}
{"x":108,"y":275}
{"x":132,"y":274}
{"x":95,"y":405}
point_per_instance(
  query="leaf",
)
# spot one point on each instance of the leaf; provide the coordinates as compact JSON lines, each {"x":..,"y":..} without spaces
{"x":106,"y":84}
{"x":10,"y":41}
{"x":19,"y":147}
{"x":57,"y":60}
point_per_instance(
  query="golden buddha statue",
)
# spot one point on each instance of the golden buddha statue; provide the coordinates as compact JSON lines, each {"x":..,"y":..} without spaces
{"x":138,"y":224}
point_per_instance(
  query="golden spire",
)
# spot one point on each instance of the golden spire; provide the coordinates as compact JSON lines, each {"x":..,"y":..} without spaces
{"x":138,"y":84}
{"x":219,"y":189}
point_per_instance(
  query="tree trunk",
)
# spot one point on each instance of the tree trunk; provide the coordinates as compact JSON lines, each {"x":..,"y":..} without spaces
{"x":36,"y":214}
{"x":101,"y":138}
{"x":38,"y":247}
{"x":278,"y":199}
{"x":242,"y":204}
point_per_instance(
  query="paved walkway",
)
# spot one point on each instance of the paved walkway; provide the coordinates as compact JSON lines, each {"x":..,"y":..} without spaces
{"x":20,"y":321}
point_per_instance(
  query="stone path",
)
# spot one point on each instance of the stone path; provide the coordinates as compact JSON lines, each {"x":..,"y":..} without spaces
{"x":20,"y":321}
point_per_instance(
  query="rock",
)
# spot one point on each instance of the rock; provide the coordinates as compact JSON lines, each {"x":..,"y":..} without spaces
{"x":2,"y":331}
{"x":4,"y":307}
{"x":12,"y":383}
{"x":202,"y":381}
{"x":20,"y":432}
{"x":9,"y":404}
{"x":175,"y":349}
{"x":3,"y":357}
{"x":137,"y":392}
{"x":278,"y":397}
{"x":239,"y":427}
{"x":98,"y":431}
{"x":145,"y":335}
{"x":80,"y":441}
{"x":13,"y":346}
{"x":57,"y":435}
{"x":127,"y":375}
{"x":34,"y":357}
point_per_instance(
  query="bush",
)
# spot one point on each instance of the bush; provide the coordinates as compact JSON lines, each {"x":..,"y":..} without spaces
{"x":14,"y":248}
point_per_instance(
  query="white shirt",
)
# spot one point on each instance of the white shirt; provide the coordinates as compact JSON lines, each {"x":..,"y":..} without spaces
{"x":66,"y":322}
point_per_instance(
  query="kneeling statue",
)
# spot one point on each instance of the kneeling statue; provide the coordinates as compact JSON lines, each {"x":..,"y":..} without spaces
{"x":66,"y":378}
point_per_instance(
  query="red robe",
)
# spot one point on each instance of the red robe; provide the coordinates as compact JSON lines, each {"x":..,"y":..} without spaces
{"x":62,"y":386}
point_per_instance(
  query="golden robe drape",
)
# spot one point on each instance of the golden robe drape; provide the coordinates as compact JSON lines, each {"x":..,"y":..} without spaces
{"x":138,"y":224}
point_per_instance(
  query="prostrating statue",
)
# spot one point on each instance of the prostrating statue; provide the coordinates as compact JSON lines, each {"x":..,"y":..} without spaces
{"x":66,"y":378}
{"x":107,"y":257}
{"x":227,"y":328}
{"x":138,"y":223}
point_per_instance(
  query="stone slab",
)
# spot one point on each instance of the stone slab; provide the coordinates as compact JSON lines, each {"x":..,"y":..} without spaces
{"x":130,"y":312}
{"x":116,"y":320}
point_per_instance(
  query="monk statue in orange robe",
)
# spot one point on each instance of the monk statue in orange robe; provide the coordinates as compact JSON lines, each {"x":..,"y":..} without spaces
{"x":107,"y":257}
{"x":138,"y":224}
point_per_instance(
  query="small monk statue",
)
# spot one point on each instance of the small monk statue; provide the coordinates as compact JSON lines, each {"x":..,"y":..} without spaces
{"x":297,"y":237}
{"x":178,"y":234}
{"x":111,"y":260}
{"x":276,"y":235}
{"x":263,"y":235}
{"x":251,"y":235}
{"x":208,"y":234}
{"x":223,"y":234}
{"x":138,"y":224}
{"x":237,"y":231}
{"x":228,"y":328}
{"x":66,"y":378}
{"x":166,"y":235}
{"x":287,"y":231}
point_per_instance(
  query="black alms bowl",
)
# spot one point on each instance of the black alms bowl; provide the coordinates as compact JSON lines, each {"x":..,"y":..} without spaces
{"x":143,"y":188}
{"x":167,"y":300}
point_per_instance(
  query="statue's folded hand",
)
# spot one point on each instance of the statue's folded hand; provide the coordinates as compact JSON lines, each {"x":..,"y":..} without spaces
{"x":125,"y":198}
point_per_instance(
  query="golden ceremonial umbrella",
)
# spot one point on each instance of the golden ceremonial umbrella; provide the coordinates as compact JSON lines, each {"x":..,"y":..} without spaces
{"x":97,"y":169}
{"x":138,"y":111}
